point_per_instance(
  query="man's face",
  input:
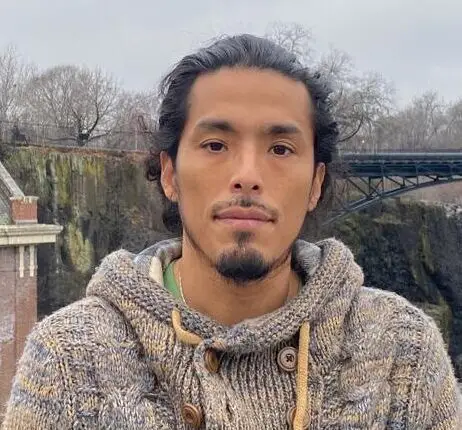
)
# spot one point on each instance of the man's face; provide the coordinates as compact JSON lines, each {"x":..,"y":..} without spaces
{"x":245,"y":174}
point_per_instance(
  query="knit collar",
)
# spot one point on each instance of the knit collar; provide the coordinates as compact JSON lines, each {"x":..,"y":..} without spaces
{"x":332,"y":277}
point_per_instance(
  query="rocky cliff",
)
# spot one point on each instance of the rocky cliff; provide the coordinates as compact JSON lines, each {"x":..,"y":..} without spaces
{"x":104,"y":203}
{"x":414,"y":249}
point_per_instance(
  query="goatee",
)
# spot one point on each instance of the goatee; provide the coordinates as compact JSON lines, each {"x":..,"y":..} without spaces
{"x":242,"y":264}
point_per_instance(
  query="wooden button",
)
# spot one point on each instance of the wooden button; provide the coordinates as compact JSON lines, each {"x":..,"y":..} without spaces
{"x":212,"y":364}
{"x":291,"y":417}
{"x":287,"y":359}
{"x":191,"y":415}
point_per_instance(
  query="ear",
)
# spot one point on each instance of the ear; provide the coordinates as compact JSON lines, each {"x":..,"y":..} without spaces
{"x":167,"y":177}
{"x":316,"y":186}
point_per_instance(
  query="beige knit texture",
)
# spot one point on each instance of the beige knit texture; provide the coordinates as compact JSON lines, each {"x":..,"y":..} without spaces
{"x":113,"y":361}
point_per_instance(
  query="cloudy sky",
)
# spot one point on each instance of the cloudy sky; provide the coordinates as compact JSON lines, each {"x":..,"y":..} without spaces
{"x":417,"y":44}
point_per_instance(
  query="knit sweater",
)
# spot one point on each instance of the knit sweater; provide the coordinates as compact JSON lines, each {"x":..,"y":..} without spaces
{"x":337,"y":356}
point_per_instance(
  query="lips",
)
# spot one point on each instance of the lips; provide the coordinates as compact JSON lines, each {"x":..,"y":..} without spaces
{"x":242,"y":214}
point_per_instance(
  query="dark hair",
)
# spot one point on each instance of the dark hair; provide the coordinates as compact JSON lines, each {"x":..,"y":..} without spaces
{"x":235,"y":51}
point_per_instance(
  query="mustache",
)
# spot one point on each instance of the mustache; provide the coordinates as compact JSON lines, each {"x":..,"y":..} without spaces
{"x":244,"y":202}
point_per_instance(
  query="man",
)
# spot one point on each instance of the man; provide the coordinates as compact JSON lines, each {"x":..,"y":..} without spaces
{"x":237,"y":324}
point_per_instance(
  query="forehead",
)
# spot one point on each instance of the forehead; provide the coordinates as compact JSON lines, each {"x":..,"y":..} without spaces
{"x":249,"y":96}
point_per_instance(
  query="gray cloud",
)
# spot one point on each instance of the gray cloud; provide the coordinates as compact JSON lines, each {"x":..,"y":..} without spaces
{"x":416,"y":44}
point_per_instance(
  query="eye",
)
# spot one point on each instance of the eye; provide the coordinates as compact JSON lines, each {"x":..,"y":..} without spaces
{"x":281,"y":150}
{"x":214,"y":146}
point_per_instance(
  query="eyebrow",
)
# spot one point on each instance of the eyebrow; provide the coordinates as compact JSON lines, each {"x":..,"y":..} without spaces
{"x":226,"y":126}
{"x":216,"y":125}
{"x":278,"y":129}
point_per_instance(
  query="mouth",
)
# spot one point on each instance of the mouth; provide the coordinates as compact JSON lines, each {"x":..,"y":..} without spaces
{"x":244,"y":218}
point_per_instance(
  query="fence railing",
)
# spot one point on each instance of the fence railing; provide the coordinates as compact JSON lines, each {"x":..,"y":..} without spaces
{"x":135,"y":139}
{"x":23,"y":133}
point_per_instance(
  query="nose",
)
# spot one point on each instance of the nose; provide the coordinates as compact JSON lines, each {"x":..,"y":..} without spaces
{"x":247,"y":178}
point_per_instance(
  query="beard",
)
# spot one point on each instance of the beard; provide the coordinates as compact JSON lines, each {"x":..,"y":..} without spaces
{"x":242,"y":263}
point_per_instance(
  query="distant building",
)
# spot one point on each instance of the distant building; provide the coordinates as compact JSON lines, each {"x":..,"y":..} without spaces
{"x":20,"y":234}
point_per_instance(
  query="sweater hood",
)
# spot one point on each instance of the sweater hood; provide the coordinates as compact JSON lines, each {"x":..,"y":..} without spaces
{"x":134,"y":285}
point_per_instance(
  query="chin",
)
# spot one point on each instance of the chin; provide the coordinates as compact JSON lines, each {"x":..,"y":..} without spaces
{"x":242,"y":265}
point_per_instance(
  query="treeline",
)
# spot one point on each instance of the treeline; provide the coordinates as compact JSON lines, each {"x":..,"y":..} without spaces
{"x":83,"y":106}
{"x":70,"y":103}
{"x":365,"y":105}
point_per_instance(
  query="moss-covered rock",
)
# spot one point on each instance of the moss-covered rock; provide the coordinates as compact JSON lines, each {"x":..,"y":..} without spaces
{"x":442,"y":315}
{"x":414,"y":249}
{"x":103,"y":202}
{"x":81,"y":253}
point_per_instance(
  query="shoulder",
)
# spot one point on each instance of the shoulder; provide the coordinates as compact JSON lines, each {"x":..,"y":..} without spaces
{"x":401,"y":344}
{"x":389,"y":320}
{"x":66,"y":359}
{"x":386,"y":328}
{"x":83,"y":325}
{"x":389,"y":308}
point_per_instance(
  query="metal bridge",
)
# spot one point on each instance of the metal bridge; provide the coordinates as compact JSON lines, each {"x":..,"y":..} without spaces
{"x":375,"y":176}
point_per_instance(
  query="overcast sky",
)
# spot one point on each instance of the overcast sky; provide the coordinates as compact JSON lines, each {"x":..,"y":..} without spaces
{"x":417,"y":44}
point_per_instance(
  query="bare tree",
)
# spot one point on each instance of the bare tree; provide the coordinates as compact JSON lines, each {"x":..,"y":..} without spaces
{"x":135,"y":118}
{"x":292,"y":36}
{"x":424,"y":124}
{"x":424,"y":120}
{"x":337,"y":65}
{"x":453,"y":136}
{"x":359,"y":100}
{"x":78,"y":101}
{"x":13,"y":75}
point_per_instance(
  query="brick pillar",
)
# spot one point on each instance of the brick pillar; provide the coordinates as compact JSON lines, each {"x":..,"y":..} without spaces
{"x":26,"y":294}
{"x":7,"y":321}
{"x":23,"y":210}
{"x":18,"y":309}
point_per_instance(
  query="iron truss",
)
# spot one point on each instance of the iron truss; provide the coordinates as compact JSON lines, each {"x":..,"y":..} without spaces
{"x":369,"y":178}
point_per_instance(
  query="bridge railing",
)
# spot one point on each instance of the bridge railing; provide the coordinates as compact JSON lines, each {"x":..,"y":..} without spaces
{"x":454,"y":147}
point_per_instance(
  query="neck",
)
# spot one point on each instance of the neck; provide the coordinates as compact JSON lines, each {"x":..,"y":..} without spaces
{"x":226,"y":302}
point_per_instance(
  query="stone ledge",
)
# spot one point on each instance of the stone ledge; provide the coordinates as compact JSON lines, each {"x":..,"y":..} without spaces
{"x":8,"y":185}
{"x":28,"y":234}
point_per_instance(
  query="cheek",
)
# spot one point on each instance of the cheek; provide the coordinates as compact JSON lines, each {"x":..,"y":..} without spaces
{"x":295,"y":198}
{"x":295,"y":213}
{"x":195,"y":191}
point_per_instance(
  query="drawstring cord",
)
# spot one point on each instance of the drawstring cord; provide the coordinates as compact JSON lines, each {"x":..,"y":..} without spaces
{"x":182,"y":334}
{"x":303,"y":407}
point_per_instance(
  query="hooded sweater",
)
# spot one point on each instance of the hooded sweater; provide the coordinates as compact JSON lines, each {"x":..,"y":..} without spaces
{"x":336,"y":356}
